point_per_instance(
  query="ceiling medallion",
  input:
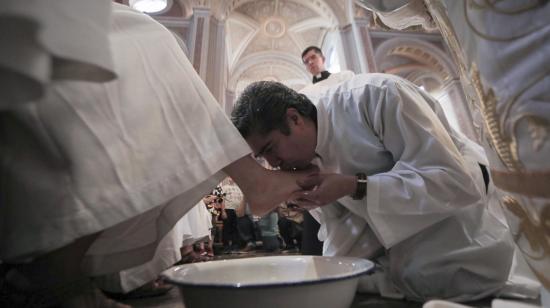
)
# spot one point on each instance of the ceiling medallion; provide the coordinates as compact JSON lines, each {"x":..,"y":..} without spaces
{"x":274,"y":27}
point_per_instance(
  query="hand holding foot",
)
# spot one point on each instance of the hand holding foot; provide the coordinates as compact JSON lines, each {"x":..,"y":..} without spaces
{"x":320,"y":189}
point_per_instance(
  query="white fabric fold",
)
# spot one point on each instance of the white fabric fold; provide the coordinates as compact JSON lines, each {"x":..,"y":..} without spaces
{"x":192,"y":227}
{"x":332,"y":80}
{"x":90,"y":157}
{"x":52,"y":39}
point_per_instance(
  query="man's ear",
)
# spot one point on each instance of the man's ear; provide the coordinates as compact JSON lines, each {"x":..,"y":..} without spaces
{"x":293,"y":116}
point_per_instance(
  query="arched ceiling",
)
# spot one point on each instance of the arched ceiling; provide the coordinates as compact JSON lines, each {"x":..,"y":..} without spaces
{"x":271,"y":70}
{"x":282,"y":28}
{"x":264,"y":39}
{"x":418,"y":61}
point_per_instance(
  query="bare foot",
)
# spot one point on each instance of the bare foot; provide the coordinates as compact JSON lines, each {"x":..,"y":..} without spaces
{"x":264,"y":189}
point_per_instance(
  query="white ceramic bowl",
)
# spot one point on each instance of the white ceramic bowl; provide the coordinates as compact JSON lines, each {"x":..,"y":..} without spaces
{"x":270,"y":282}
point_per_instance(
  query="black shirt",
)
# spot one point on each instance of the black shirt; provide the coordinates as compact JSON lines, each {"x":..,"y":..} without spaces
{"x":324,"y":75}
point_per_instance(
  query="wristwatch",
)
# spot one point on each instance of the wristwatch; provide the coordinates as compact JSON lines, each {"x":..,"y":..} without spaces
{"x":361,"y":190}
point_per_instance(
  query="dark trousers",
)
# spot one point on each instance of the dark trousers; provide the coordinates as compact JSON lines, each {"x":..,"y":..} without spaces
{"x":247,"y":230}
{"x":230,"y":232}
{"x":310,"y":243}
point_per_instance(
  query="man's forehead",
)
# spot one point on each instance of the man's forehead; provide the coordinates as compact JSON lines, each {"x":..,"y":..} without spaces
{"x":311,"y":53}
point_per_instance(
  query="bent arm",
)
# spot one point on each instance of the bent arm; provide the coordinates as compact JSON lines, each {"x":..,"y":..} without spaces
{"x":429,"y":180}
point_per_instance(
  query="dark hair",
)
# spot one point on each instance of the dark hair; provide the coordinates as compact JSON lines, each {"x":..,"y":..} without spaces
{"x":315,"y":48}
{"x":262,"y":108}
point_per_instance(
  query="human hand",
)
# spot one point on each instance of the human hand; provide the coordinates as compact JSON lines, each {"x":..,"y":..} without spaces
{"x":321,"y":189}
{"x":311,"y":168}
{"x":209,"y":199}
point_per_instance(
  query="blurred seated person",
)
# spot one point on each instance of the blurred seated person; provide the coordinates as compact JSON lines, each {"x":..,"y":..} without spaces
{"x":215,"y":210}
{"x":269,"y":230}
{"x":205,"y":245}
{"x":198,"y":231}
{"x":246,"y":226}
{"x":291,"y":218}
{"x":231,"y":199}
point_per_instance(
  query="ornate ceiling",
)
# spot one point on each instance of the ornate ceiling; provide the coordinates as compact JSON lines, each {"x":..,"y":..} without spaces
{"x":418,"y":61}
{"x":250,"y":40}
{"x":264,"y":38}
{"x":276,"y":31}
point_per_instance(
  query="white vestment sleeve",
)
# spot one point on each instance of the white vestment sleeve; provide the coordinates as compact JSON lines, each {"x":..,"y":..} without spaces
{"x":429,"y":180}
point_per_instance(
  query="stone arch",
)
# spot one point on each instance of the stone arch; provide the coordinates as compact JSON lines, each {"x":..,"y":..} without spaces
{"x":421,"y":53}
{"x":426,"y":65}
{"x":262,"y":58}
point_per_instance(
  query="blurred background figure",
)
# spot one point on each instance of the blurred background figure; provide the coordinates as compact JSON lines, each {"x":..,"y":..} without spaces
{"x":247,"y":225}
{"x":291,"y":219}
{"x":269,"y":229}
{"x":231,"y":199}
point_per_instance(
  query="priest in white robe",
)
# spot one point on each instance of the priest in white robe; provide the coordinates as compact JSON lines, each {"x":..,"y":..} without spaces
{"x":410,"y":191}
{"x":98,"y":117}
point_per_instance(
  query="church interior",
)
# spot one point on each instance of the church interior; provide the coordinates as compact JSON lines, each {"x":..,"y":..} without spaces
{"x":233,"y":43}
{"x":119,"y":216}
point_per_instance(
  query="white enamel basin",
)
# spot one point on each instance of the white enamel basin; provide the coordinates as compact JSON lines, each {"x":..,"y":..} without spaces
{"x":270,"y":282}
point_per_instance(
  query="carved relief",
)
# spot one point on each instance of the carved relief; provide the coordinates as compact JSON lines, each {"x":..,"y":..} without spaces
{"x":529,"y":207}
{"x":413,"y":14}
{"x":417,"y":54}
{"x":535,"y":229}
{"x":503,"y":145}
{"x":539,"y":130}
{"x":274,"y":27}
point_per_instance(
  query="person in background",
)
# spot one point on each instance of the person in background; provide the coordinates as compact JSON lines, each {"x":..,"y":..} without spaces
{"x":205,"y":246}
{"x":291,"y":218}
{"x":246,"y":226}
{"x":232,"y":199}
{"x":269,"y":231}
{"x":314,"y":60}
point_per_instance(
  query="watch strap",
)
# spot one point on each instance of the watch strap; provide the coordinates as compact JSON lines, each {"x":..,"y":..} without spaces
{"x":361,"y":190}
